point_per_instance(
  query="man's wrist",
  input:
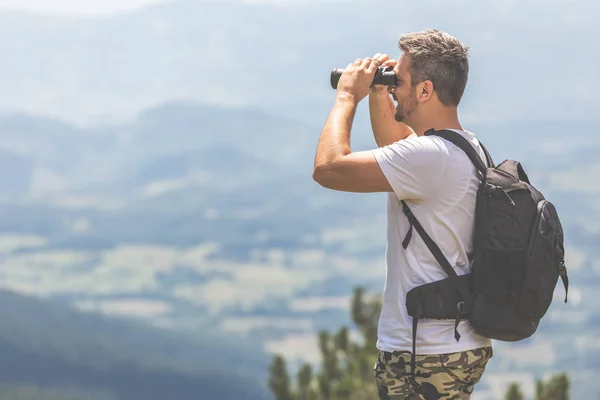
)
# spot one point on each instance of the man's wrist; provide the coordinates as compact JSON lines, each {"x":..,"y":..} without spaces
{"x":346,"y":98}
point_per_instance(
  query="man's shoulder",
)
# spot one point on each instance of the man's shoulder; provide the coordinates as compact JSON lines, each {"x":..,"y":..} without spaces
{"x":421,"y":145}
{"x":451,"y":150}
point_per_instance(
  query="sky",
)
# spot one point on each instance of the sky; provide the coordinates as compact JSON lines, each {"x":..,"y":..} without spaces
{"x":76,"y":7}
{"x":86,"y":7}
{"x":110,"y":71}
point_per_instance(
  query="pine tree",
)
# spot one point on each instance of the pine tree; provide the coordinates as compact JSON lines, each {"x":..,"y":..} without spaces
{"x":539,"y":390}
{"x":279,"y":381}
{"x":346,"y":371}
{"x":305,"y":390}
{"x":513,"y":392}
{"x":557,"y":388}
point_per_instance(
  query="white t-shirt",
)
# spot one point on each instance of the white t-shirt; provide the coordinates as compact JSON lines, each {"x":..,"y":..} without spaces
{"x":439,"y":184}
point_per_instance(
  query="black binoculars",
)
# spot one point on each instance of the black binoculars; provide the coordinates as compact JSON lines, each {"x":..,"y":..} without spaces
{"x":383,"y":76}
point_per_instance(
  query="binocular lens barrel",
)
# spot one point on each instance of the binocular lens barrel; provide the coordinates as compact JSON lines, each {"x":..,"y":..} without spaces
{"x":383,"y":76}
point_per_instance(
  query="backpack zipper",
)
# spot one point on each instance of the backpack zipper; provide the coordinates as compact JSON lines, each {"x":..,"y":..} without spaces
{"x":509,"y":198}
{"x":494,"y":189}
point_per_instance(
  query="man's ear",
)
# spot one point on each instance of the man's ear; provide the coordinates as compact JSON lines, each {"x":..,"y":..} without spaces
{"x":425,"y":91}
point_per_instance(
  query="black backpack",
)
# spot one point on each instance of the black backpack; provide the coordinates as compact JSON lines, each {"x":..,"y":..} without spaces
{"x":517,"y":259}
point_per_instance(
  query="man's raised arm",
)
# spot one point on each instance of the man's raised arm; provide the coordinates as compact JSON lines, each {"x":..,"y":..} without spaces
{"x":382,"y":110}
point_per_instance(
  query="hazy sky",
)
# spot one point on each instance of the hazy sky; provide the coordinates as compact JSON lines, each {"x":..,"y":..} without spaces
{"x":76,"y":7}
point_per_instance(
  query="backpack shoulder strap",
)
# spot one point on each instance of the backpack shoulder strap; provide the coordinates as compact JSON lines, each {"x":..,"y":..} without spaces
{"x":464,"y":145}
{"x":435,"y":250}
{"x":488,"y":157}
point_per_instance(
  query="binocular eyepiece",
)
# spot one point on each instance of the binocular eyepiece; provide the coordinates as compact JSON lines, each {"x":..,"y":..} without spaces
{"x":383,"y":76}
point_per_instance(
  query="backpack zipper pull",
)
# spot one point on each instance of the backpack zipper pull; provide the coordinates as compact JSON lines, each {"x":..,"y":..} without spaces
{"x":509,"y":198}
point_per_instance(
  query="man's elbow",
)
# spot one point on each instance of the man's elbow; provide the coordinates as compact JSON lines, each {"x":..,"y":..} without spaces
{"x":324,"y":176}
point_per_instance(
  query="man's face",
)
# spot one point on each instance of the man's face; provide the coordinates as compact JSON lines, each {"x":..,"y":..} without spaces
{"x":403,"y":93}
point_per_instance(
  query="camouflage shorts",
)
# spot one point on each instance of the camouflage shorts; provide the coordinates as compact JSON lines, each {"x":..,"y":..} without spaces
{"x":447,"y":376}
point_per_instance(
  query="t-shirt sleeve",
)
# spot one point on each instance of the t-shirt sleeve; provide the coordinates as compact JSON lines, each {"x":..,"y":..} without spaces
{"x":413,"y":166}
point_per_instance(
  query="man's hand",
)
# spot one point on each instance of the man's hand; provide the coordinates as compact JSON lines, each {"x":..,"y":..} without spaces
{"x":384,"y":61}
{"x":355,"y":82}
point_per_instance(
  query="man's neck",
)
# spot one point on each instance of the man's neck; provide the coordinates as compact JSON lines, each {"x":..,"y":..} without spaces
{"x":443,"y":119}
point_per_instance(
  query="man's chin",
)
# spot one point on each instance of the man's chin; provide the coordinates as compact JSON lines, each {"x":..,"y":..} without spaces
{"x":399,"y":117}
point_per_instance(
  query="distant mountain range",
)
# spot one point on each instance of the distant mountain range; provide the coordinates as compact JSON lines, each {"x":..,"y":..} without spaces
{"x":185,"y":158}
{"x":45,"y":345}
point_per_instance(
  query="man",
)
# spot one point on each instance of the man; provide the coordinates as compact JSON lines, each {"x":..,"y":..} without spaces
{"x":437,"y":181}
